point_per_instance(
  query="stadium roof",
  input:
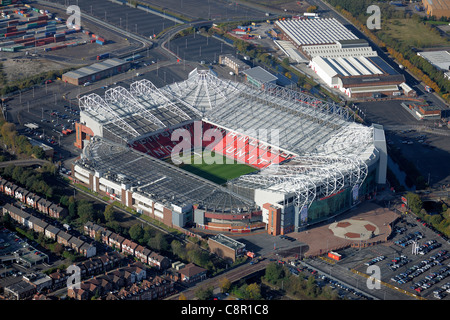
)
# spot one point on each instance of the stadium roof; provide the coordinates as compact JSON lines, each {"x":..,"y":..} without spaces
{"x":302,"y":121}
{"x":159,"y":180}
{"x":330,"y":150}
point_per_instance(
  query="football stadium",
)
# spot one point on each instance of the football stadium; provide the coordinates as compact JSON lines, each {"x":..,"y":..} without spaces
{"x":227,"y":156}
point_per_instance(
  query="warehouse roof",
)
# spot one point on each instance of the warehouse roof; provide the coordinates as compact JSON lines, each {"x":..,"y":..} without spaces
{"x":440,"y":59}
{"x":95,"y":68}
{"x":315,"y":31}
{"x":228,"y":242}
{"x":370,"y":81}
{"x":261,"y":75}
{"x":354,"y":66}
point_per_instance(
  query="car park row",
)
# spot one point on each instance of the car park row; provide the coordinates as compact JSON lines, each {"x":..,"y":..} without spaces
{"x":432,"y":278}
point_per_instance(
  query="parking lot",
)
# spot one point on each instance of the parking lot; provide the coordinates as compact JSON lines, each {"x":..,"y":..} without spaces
{"x":125,"y":17}
{"x":428,"y":149}
{"x":211,"y":9}
{"x":198,"y":48}
{"x":405,"y":273}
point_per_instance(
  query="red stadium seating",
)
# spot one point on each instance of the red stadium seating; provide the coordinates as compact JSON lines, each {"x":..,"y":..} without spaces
{"x":232,"y":145}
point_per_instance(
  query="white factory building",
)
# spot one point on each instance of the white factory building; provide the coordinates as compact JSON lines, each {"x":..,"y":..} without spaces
{"x":314,"y":31}
{"x":358,"y":76}
{"x":342,"y":48}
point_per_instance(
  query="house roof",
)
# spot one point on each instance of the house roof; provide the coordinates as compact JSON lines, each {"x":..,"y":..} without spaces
{"x":38,"y":222}
{"x":191,"y":270}
{"x":77,"y":242}
{"x":86,"y":246}
{"x":56,"y":208}
{"x":45,"y":202}
{"x":116,"y":237}
{"x":33,"y":196}
{"x":52,"y":229}
{"x":64,"y":235}
{"x":16,"y":211}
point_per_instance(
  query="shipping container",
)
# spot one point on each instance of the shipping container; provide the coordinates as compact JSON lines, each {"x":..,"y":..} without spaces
{"x":99,"y":42}
{"x":103,"y":56}
{"x":334,"y":255}
{"x":15,"y":33}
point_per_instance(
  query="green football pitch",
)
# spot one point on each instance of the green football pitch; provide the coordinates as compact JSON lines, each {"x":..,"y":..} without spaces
{"x":216,"y":168}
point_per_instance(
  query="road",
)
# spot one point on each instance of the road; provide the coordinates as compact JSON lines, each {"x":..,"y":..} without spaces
{"x":327,"y":10}
{"x":24,"y":163}
{"x":232,"y":275}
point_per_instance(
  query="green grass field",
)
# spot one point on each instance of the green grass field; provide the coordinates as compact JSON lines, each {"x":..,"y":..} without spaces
{"x":219,"y":172}
{"x":413,"y":34}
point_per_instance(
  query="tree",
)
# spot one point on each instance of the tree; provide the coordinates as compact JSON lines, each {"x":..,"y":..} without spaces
{"x":9,"y":170}
{"x":253,"y":291}
{"x":203,"y":293}
{"x":8,"y":132}
{"x":72,"y":209}
{"x":58,"y":248}
{"x":109,"y":213}
{"x":158,"y":242}
{"x":178,"y":249}
{"x":274,"y":272}
{"x":17,"y":173}
{"x":224,"y":284}
{"x":85,"y":211}
{"x":182,"y":297}
{"x":38,"y":152}
{"x":414,"y":202}
{"x":136,"y":232}
{"x":311,"y":287}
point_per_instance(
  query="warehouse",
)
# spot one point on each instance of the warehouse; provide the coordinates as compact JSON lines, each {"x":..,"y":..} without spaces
{"x":358,"y":76}
{"x":437,"y":8}
{"x":439,"y":59}
{"x":96,"y":72}
{"x":259,"y":77}
{"x":233,"y":63}
{"x":342,"y":48}
{"x":314,"y":31}
{"x":226,"y":247}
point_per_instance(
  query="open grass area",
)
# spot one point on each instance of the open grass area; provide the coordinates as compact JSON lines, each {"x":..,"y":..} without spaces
{"x":413,"y":34}
{"x":221,"y":171}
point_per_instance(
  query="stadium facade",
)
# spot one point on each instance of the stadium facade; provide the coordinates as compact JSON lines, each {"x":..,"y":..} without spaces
{"x":313,"y":160}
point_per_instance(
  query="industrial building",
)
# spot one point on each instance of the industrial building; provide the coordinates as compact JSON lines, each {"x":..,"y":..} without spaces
{"x":439,"y":59}
{"x":96,"y":71}
{"x":321,"y":164}
{"x":259,"y":77}
{"x":233,"y":63}
{"x":437,"y":8}
{"x":342,"y":48}
{"x":226,"y":247}
{"x":358,"y":76}
{"x":302,"y":32}
{"x":424,"y":111}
